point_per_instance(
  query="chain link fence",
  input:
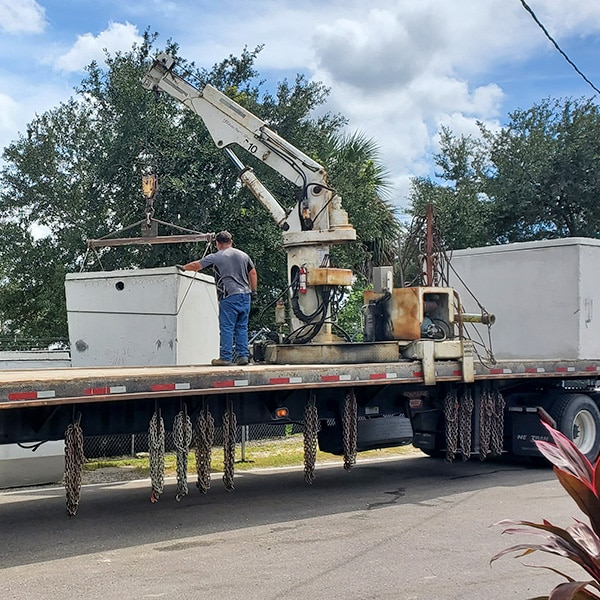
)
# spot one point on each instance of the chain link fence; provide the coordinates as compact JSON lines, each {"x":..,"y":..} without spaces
{"x":110,"y":446}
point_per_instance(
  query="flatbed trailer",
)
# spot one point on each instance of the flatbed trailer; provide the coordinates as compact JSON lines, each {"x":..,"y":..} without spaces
{"x":394,"y":400}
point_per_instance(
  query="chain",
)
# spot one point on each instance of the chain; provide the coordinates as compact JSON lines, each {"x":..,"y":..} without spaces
{"x":465,"y":413}
{"x":229,"y":431}
{"x":350,"y":430}
{"x":311,"y":428}
{"x":156,"y":449}
{"x":451,"y":419}
{"x":486,"y":409}
{"x":491,"y":415}
{"x":498,"y":424}
{"x":205,"y":435}
{"x":74,"y":460}
{"x":182,"y":438}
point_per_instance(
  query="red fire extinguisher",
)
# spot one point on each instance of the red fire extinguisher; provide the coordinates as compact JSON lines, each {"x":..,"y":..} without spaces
{"x":302,"y":280}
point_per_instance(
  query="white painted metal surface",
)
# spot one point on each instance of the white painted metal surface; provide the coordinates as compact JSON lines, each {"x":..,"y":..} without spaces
{"x":20,"y":467}
{"x":146,"y":317}
{"x":34,"y":359}
{"x":545,"y":295}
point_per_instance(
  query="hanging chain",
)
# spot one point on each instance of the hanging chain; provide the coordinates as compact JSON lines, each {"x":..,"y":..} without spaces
{"x":205,"y":435}
{"x":74,"y":460}
{"x":497,"y":443}
{"x":458,"y":413}
{"x":229,"y":432}
{"x":182,"y":438}
{"x":311,"y":428}
{"x":350,"y":429}
{"x":491,"y":415}
{"x":486,"y":410}
{"x":465,"y":414}
{"x":451,"y":419}
{"x":156,"y":450}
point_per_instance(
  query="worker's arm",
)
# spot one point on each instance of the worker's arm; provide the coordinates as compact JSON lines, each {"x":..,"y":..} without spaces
{"x":253,"y":279}
{"x":192,"y":266}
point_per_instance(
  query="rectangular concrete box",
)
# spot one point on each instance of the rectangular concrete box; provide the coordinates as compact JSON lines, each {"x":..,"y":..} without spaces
{"x":21,"y":466}
{"x":545,"y":295}
{"x":34,"y":359}
{"x":145,"y":317}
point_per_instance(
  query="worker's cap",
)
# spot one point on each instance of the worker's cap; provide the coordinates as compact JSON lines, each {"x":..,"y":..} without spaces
{"x":224,"y":237}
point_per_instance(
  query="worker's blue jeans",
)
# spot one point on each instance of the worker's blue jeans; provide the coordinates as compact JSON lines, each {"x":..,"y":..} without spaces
{"x":233,"y":325}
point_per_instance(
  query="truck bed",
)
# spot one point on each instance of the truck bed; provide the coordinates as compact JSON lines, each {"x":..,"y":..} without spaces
{"x":46,"y":387}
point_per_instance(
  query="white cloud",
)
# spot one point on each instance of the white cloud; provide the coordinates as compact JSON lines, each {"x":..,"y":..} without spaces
{"x":88,"y":47}
{"x":397,"y":69}
{"x":9,"y":109}
{"x":23,"y":16}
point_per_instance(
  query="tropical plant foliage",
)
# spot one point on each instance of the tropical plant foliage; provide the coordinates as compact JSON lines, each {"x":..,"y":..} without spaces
{"x":580,"y":542}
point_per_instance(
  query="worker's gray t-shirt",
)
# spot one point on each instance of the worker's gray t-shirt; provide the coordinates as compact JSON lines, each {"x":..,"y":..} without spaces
{"x":231,"y":267}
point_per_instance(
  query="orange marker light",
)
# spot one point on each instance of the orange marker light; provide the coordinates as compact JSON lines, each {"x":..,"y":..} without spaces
{"x":281,"y":413}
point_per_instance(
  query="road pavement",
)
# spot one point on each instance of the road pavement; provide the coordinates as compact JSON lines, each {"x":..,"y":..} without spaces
{"x":411,"y":528}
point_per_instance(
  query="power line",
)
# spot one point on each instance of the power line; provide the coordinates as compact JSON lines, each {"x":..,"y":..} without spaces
{"x":541,"y":26}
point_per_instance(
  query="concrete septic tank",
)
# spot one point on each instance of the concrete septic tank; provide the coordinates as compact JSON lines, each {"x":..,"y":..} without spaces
{"x":27,"y":465}
{"x":544,"y":295}
{"x":32,"y":464}
{"x":145,"y":317}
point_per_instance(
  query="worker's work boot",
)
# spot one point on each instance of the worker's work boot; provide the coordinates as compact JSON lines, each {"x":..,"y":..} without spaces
{"x":219,"y":362}
{"x":242,"y":361}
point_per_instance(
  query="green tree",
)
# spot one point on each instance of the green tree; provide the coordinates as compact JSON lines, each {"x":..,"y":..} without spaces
{"x":76,"y":173}
{"x":461,"y":208}
{"x":546,"y":178}
{"x":536,"y":178}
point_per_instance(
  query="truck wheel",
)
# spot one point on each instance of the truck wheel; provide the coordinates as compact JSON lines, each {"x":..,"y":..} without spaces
{"x":578,"y":417}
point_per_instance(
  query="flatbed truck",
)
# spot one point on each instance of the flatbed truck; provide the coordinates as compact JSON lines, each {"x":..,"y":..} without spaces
{"x":416,"y":379}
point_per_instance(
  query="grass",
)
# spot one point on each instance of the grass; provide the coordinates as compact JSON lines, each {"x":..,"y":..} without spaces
{"x":284,"y":452}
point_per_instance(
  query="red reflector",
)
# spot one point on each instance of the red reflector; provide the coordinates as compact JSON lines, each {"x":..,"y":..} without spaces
{"x":97,"y":391}
{"x":23,"y":396}
{"x":223,"y":384}
{"x":163,"y":387}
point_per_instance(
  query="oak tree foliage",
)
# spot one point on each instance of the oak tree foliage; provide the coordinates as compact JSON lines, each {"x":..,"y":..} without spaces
{"x":538,"y":177}
{"x":75,"y":174}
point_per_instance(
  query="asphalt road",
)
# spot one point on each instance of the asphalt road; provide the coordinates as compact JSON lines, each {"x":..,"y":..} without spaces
{"x":411,"y":528}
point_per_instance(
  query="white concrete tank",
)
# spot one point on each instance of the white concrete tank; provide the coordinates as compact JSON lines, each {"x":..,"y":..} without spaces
{"x":145,"y":317}
{"x":34,"y":359}
{"x":544,"y":295}
{"x":32,"y":464}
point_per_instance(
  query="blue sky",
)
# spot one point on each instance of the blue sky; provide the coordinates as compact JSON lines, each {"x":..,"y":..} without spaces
{"x":397,"y":69}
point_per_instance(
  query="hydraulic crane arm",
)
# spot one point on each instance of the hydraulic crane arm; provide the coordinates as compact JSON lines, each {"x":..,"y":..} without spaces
{"x":318,"y":218}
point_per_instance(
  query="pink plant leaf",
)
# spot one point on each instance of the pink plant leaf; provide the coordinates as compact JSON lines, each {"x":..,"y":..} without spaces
{"x":585,"y":498}
{"x":558,"y":541}
{"x":566,"y":456}
{"x":573,"y":590}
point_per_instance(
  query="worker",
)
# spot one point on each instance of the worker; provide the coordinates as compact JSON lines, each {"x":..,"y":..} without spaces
{"x":236,"y":279}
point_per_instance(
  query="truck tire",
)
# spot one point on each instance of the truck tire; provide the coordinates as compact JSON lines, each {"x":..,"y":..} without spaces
{"x":578,"y":417}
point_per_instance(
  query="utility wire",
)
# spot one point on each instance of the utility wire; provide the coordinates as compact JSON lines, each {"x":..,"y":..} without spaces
{"x":541,"y":26}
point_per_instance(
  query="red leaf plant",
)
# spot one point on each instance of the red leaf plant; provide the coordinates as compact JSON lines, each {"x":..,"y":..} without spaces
{"x":580,"y":542}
